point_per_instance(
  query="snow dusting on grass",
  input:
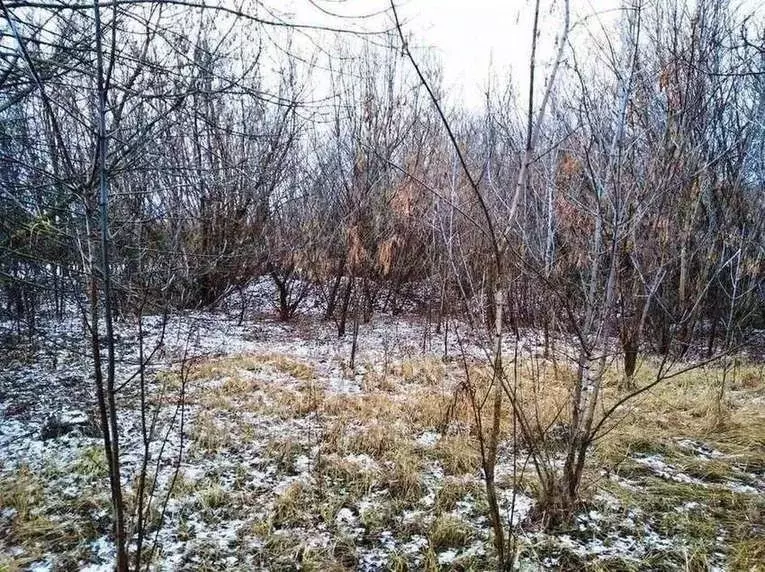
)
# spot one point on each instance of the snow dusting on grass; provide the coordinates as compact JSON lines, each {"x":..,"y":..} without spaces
{"x":290,"y":459}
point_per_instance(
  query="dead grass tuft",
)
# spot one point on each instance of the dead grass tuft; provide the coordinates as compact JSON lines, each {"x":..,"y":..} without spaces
{"x":449,"y":531}
{"x":306,"y":400}
{"x":749,"y":555}
{"x":209,"y":434}
{"x":454,"y":489}
{"x":281,"y":550}
{"x":430,"y":408}
{"x":25,"y":495}
{"x":402,"y":475}
{"x":232,"y":366}
{"x":378,"y":438}
{"x":21,"y":492}
{"x":292,"y":505}
{"x":709,"y":470}
{"x":458,"y":454}
{"x":355,"y":479}
{"x":363,"y":407}
{"x":344,"y":553}
{"x":238,"y":386}
{"x":382,"y":516}
{"x":297,"y":369}
{"x":626,"y":440}
{"x":376,"y":381}
{"x":284,"y":452}
{"x":212,"y":497}
{"x":91,"y":463}
{"x":422,"y":370}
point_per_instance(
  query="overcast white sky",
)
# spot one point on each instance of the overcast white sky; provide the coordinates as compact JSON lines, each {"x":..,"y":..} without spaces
{"x":475,"y":37}
{"x":469,"y":37}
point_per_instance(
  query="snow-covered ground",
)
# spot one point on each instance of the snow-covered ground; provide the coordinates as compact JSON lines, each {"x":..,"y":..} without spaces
{"x":284,"y":457}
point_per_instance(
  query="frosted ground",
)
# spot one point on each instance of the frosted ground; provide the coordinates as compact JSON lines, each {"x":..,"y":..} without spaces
{"x":288,"y":459}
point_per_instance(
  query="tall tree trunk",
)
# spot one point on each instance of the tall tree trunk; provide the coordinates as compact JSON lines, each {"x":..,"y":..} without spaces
{"x":108,"y":401}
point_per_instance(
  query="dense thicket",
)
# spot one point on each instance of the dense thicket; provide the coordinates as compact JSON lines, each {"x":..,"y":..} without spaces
{"x":218,"y":176}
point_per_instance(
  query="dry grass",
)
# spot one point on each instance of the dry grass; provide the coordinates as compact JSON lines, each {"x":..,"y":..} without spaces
{"x":449,"y":531}
{"x":672,"y":421}
{"x":284,"y":451}
{"x":210,"y":434}
{"x":232,"y":366}
{"x":433,"y":409}
{"x":380,"y":517}
{"x":344,"y":555}
{"x":35,"y":524}
{"x":378,"y":381}
{"x":708,"y":470}
{"x":372,"y":424}
{"x":16,"y":563}
{"x":698,"y":514}
{"x":21,"y":492}
{"x":183,"y":486}
{"x":243,"y":385}
{"x":290,"y":366}
{"x":681,"y":409}
{"x":453,"y":490}
{"x":378,"y":438}
{"x":749,"y":555}
{"x":402,"y":475}
{"x":293,"y":505}
{"x":363,"y":407}
{"x":288,"y":403}
{"x":212,"y":497}
{"x":354,"y":478}
{"x":458,"y":454}
{"x":281,"y":548}
{"x":422,"y":370}
{"x":218,"y":368}
{"x":91,"y":463}
{"x":283,"y":551}
{"x":396,"y":406}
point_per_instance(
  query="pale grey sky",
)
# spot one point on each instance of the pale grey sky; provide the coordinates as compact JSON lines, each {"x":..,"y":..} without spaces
{"x":475,"y":37}
{"x":469,"y":37}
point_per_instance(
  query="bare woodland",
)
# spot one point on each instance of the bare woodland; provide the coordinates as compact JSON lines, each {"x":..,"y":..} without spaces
{"x":544,"y":309}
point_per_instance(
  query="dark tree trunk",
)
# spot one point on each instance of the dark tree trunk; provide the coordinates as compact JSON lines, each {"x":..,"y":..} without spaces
{"x":332,"y":297}
{"x":712,"y":337}
{"x":630,"y":349}
{"x":368,"y":301}
{"x":344,"y":311}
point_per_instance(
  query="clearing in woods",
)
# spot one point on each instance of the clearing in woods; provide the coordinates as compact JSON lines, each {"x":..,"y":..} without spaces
{"x":291,"y":459}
